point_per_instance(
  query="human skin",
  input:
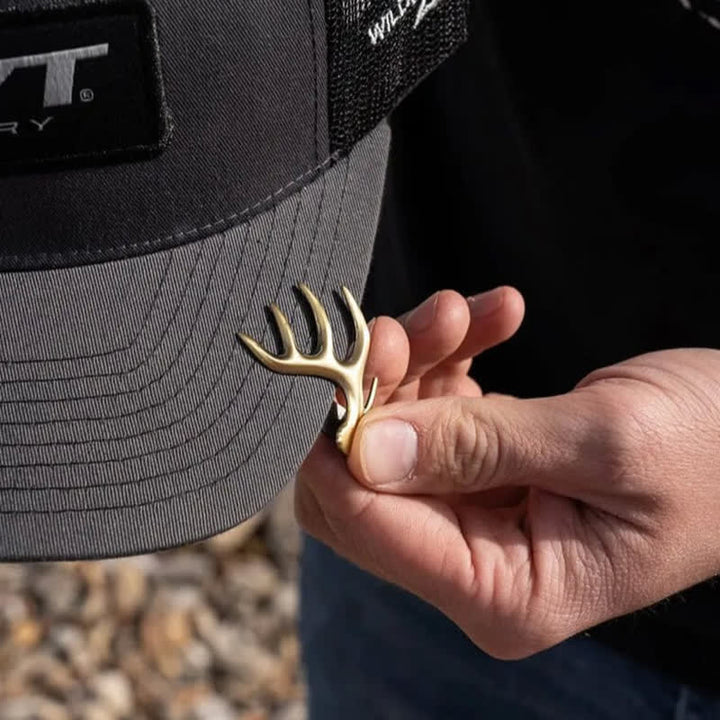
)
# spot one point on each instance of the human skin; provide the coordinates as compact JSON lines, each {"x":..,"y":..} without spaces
{"x":525,"y":521}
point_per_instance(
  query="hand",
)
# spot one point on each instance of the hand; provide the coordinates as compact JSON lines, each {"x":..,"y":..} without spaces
{"x":527,"y":521}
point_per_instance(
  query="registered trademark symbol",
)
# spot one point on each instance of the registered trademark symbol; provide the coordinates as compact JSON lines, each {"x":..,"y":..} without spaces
{"x":87,"y":95}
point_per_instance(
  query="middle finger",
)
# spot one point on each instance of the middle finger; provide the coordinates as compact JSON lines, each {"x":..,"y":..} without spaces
{"x":435,"y":330}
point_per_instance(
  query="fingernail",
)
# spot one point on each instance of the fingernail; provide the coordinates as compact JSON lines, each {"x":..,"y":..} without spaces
{"x":389,"y":451}
{"x":486,"y":303}
{"x":422,"y":316}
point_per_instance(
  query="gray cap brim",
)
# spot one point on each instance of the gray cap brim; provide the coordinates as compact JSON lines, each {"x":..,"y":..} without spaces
{"x":131,"y":418}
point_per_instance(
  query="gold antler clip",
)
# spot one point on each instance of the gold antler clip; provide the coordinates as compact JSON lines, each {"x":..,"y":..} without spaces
{"x":347,"y":375}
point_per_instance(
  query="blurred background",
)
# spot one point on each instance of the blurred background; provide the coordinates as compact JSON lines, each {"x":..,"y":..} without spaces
{"x":205,"y":632}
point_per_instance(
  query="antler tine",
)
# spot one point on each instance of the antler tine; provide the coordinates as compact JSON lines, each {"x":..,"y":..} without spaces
{"x":290,"y":351}
{"x":361,"y":346}
{"x":270,"y":361}
{"x":322,"y":322}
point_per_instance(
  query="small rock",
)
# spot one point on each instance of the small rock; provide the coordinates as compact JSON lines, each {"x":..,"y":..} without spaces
{"x":198,"y":660}
{"x":32,"y":708}
{"x":294,"y":711}
{"x":12,"y":577}
{"x":266,"y":624}
{"x":181,"y":597}
{"x":94,"y":580}
{"x":93,"y":573}
{"x":40,"y":670}
{"x":228,"y":542}
{"x":26,"y":634}
{"x":206,"y":623}
{"x":95,"y":711}
{"x":186,"y":699}
{"x":256,"y":714}
{"x":286,"y":602}
{"x":289,"y":650}
{"x":129,"y":588}
{"x":165,"y":632}
{"x":253,"y":579}
{"x":151,"y":689}
{"x":114,"y":691}
{"x":57,"y":590}
{"x":95,"y":605}
{"x":213,"y":708}
{"x":254,"y":673}
{"x":185,"y":567}
{"x":13,"y":608}
{"x":231,"y":644}
{"x":100,"y":639}
{"x":70,"y":642}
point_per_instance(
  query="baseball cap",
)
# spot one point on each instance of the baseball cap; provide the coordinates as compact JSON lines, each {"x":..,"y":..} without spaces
{"x":167,"y":170}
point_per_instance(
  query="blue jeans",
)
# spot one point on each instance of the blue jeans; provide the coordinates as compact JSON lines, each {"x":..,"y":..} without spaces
{"x":374,"y":652}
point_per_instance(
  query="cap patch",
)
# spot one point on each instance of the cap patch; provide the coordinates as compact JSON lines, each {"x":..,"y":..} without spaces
{"x":80,"y":84}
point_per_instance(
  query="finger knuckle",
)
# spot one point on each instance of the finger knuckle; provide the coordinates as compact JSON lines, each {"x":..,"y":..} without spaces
{"x":469,"y":448}
{"x":626,"y":437}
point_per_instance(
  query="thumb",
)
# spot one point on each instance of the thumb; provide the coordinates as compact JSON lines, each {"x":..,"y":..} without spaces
{"x":464,"y":445}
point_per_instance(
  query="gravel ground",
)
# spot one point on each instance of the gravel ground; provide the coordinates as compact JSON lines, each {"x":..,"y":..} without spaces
{"x":206,"y":632}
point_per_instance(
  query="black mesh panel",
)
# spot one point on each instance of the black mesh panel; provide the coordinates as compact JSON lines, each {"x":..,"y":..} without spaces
{"x":378,"y":51}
